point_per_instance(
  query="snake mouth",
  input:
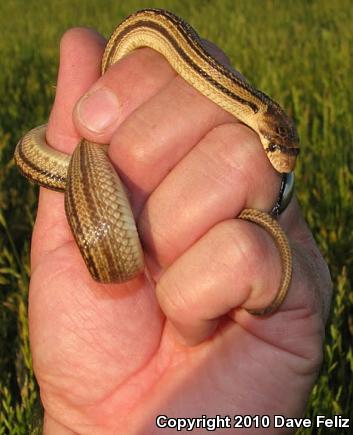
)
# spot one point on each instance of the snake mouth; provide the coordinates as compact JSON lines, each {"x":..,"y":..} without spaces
{"x":291,"y":151}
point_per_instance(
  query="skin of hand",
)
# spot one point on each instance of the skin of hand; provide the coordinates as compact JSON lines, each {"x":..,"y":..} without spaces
{"x":176,"y":341}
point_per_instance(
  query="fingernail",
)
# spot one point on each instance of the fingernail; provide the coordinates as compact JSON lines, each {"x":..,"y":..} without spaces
{"x":98,"y":110}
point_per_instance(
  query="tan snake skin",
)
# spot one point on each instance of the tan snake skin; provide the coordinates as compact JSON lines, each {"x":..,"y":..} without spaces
{"x":96,"y":204}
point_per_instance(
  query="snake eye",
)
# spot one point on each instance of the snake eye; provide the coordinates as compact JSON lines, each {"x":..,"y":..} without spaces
{"x":271,"y":148}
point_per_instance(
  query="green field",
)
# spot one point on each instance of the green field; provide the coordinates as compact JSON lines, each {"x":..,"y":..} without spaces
{"x":299,"y":52}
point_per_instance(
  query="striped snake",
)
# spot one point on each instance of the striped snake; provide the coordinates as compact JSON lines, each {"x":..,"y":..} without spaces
{"x":96,"y":205}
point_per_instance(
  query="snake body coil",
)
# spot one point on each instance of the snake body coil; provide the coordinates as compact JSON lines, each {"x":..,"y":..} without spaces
{"x":96,"y":204}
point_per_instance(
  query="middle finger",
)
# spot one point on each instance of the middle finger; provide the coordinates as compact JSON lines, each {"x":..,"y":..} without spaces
{"x":224,"y":173}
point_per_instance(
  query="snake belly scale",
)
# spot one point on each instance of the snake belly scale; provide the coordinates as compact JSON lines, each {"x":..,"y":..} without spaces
{"x":96,"y":204}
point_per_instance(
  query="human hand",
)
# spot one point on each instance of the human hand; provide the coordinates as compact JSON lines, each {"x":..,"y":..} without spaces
{"x":110,"y":358}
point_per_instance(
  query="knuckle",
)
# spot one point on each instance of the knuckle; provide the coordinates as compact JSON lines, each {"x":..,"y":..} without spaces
{"x":238,"y":144}
{"x":248,"y":249}
{"x":171,"y":298}
{"x":234,"y":151}
{"x":138,"y":133}
{"x":133,"y":67}
{"x":216,"y":52}
{"x":237,"y":250}
{"x":239,"y":153}
{"x":184,"y":92}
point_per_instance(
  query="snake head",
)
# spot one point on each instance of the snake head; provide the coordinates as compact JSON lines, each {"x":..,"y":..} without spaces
{"x":279,"y":138}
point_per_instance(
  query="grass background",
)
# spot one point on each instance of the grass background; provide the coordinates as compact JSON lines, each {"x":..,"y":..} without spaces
{"x":299,"y":52}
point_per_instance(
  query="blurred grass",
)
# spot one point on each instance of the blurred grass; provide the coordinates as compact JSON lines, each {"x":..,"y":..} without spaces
{"x":298,"y":52}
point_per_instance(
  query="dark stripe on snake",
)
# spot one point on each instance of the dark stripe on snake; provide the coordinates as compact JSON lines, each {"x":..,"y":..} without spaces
{"x":195,"y":42}
{"x":26,"y":162}
{"x":186,"y":58}
{"x":73,"y":213}
{"x":90,"y":179}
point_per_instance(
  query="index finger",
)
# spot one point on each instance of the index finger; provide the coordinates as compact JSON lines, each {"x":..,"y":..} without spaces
{"x":79,"y":68}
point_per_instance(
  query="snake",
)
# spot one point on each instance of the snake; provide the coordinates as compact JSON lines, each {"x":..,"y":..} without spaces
{"x":96,"y":202}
